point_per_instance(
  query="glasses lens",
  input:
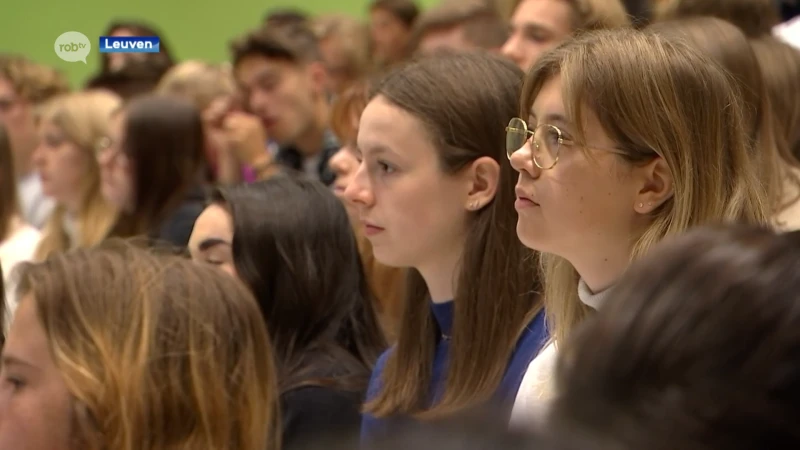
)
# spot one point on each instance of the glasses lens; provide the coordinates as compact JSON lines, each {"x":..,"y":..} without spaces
{"x":516,"y":135}
{"x":547,"y":142}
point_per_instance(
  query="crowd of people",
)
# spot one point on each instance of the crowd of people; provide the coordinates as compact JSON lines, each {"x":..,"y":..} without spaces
{"x":489,"y":224}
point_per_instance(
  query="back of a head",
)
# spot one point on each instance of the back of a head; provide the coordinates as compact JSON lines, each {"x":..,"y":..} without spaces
{"x":133,"y":79}
{"x":156,"y":349}
{"x":294,"y":248}
{"x":754,"y":17}
{"x":780,"y":63}
{"x":697,"y":349}
{"x":482,"y":26}
{"x":285,"y":16}
{"x":164,"y":140}
{"x":728,"y":46}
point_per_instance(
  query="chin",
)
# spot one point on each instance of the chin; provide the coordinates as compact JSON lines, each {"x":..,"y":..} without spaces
{"x":389,"y":257}
{"x":531,"y":237}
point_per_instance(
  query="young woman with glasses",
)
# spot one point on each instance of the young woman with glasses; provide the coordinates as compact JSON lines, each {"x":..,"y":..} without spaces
{"x":626,"y":139}
{"x":433,"y":193}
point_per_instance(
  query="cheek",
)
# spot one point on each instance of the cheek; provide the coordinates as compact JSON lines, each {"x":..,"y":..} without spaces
{"x":38,"y":419}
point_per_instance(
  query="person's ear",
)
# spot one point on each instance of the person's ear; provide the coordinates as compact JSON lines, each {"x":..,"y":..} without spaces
{"x":655,"y":187}
{"x":482,"y":178}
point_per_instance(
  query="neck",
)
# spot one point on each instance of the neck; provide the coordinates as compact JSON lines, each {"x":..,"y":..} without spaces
{"x":441,"y":276}
{"x":310,"y":143}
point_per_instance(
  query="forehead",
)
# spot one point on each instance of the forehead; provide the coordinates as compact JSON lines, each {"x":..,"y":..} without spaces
{"x":253,"y":68}
{"x":550,"y":14}
{"x":452,"y":37}
{"x":214,"y":221}
{"x":386,"y":126}
{"x":549,"y":99}
{"x":26,"y":337}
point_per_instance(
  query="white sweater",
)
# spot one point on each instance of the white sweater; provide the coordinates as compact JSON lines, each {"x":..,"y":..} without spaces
{"x":537,"y":388}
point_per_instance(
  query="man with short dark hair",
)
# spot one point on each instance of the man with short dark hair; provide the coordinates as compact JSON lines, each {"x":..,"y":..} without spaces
{"x":283,"y":79}
{"x":460,"y":25}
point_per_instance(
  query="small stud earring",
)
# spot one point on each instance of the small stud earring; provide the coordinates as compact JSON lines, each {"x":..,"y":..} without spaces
{"x":641,"y":205}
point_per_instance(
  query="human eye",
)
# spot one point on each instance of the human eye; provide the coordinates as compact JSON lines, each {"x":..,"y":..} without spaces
{"x":386,"y":167}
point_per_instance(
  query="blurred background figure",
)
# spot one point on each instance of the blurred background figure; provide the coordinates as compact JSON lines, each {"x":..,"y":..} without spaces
{"x":344,"y":48}
{"x":72,"y":127}
{"x":460,"y":25}
{"x":24,"y":87}
{"x":18,"y":239}
{"x":391,"y":23}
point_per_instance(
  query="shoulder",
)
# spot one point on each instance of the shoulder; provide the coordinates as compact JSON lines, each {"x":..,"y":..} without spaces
{"x":536,"y":388}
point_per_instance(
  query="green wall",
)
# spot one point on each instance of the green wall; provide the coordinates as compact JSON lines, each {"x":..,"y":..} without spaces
{"x":199,"y":29}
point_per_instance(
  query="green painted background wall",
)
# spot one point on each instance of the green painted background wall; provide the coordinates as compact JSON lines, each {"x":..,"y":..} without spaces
{"x":195,"y":29}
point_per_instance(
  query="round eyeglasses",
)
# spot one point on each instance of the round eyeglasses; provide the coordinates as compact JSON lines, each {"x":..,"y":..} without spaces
{"x":546,"y":142}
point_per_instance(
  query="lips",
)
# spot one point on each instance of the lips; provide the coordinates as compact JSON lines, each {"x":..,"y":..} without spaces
{"x":524,"y":196}
{"x":371,"y":229}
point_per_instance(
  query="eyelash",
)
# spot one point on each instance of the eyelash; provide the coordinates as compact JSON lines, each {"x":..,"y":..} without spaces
{"x":16,"y":383}
{"x":386,"y":168}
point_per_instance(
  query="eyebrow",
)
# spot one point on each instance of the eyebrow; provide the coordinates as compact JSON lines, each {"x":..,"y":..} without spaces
{"x":555,"y":119}
{"x":9,"y":360}
{"x":534,"y":28}
{"x":211,"y":243}
{"x":377,"y":149}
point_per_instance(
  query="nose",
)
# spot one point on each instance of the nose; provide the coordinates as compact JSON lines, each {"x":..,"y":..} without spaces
{"x":38,"y":156}
{"x":522,"y":161}
{"x":337,"y":162}
{"x":359,"y":191}
{"x":511,"y":49}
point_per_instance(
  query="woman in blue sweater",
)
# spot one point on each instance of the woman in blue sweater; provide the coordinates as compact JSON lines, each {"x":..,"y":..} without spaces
{"x":435,"y":193}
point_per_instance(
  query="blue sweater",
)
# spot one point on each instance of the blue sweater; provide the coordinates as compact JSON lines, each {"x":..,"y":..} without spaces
{"x":528,"y":346}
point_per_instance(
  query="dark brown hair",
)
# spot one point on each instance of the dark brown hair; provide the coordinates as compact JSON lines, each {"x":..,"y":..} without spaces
{"x":9,"y":202}
{"x":294,"y":248}
{"x":164,"y":142}
{"x":780,"y":63}
{"x":482,"y":25}
{"x":406,"y":11}
{"x":155,"y":349}
{"x":295,"y":43}
{"x":161,"y":61}
{"x":754,"y":17}
{"x":285,"y":16}
{"x":697,"y":348}
{"x":496,"y":296}
{"x":728,"y":46}
{"x":133,"y":79}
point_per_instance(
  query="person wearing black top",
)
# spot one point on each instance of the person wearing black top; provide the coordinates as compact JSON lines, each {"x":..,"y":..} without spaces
{"x":290,"y":240}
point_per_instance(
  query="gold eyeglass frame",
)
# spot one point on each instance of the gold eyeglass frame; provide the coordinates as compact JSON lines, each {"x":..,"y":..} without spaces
{"x":513,"y":127}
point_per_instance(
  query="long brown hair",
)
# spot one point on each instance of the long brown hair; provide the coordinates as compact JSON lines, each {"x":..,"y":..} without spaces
{"x":728,"y":46}
{"x":496,"y":294}
{"x":780,"y":63}
{"x":157,"y":352}
{"x":9,"y":202}
{"x":754,"y":17}
{"x":294,"y":248}
{"x":656,"y":98}
{"x":164,"y":142}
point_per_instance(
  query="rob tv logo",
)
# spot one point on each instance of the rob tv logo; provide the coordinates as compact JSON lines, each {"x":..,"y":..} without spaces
{"x":129,"y":44}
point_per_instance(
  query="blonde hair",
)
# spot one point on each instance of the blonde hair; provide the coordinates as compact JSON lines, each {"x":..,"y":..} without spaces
{"x":198,"y":82}
{"x":34,"y":82}
{"x":656,"y":98}
{"x":157,"y":352}
{"x":84,"y":118}
{"x":353,"y":38}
